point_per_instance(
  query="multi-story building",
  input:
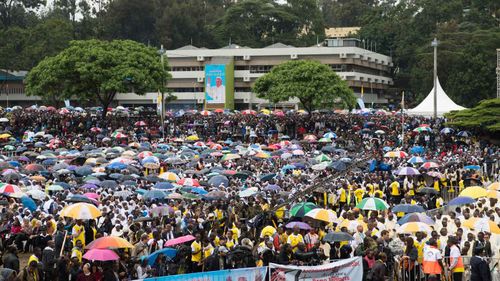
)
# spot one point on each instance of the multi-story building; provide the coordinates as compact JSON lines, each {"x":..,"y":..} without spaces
{"x":224,"y":77}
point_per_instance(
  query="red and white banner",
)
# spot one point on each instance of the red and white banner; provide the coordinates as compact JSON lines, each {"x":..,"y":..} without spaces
{"x":342,"y":270}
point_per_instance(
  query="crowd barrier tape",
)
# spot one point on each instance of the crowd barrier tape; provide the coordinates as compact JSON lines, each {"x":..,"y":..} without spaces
{"x":243,"y":274}
{"x":342,"y":270}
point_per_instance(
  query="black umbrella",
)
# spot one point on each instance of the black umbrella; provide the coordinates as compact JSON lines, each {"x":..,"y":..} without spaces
{"x":428,"y":190}
{"x":109,"y":184}
{"x":337,"y":237}
{"x":338,"y":165}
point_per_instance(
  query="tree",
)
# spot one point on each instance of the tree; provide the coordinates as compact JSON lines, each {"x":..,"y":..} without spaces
{"x":315,"y":85}
{"x":95,"y":71}
{"x":485,"y":117}
{"x":13,"y":12}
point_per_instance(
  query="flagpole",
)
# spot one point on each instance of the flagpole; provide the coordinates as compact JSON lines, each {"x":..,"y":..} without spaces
{"x":402,"y":120}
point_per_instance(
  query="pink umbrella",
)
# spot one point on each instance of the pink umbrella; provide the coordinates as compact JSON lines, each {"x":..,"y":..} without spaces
{"x":179,"y":240}
{"x":92,"y":195}
{"x":188,"y":182}
{"x":101,"y":255}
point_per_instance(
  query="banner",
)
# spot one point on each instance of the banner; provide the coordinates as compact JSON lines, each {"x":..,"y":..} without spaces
{"x":215,"y":83}
{"x":243,"y":274}
{"x":342,"y":270}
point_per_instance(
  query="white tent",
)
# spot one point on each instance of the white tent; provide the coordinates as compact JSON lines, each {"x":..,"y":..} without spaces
{"x":444,"y":104}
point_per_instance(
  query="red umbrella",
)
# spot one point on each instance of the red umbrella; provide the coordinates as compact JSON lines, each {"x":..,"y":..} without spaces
{"x":101,"y":255}
{"x":188,"y":182}
{"x":140,"y":124}
{"x":34,"y":167}
{"x":179,"y":240}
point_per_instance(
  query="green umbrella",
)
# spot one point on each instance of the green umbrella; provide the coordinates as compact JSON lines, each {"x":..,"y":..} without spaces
{"x":372,"y":203}
{"x":323,"y":158}
{"x":191,"y":196}
{"x":301,"y":209}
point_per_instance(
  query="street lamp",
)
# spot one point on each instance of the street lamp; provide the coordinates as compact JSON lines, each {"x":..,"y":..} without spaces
{"x":162,"y":110}
{"x":434,"y":44}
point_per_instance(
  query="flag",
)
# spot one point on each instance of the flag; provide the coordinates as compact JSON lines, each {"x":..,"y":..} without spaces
{"x":362,"y":91}
{"x":403,"y":101}
{"x":159,"y":103}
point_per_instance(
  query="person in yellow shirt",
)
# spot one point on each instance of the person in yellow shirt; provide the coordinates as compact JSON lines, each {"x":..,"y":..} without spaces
{"x":78,"y":232}
{"x":436,"y":185}
{"x":295,"y":238}
{"x":420,"y":244}
{"x":76,"y":252}
{"x":358,"y":194}
{"x":378,"y":193}
{"x":395,"y":191}
{"x":230,"y":241}
{"x":196,"y":254}
{"x":370,"y":188}
{"x":461,"y":185}
{"x":342,"y":197}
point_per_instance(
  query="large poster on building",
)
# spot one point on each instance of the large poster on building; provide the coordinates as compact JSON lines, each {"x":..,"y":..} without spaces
{"x":342,"y":270}
{"x":215,"y":83}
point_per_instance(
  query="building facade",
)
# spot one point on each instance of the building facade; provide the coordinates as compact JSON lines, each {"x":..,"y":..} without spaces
{"x":368,"y":73}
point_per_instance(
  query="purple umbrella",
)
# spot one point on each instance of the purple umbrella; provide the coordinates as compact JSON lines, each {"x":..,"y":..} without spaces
{"x":299,"y":224}
{"x":89,"y":186}
{"x":408,"y":171}
{"x":272,"y":187}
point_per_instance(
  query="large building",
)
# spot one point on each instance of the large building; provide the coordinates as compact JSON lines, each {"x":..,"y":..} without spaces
{"x":216,"y":78}
{"x":364,"y":70}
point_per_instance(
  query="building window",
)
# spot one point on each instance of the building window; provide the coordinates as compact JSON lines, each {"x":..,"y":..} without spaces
{"x":243,"y":89}
{"x":187,"y":68}
{"x":241,"y":67}
{"x":186,"y":90}
{"x":260,"y":68}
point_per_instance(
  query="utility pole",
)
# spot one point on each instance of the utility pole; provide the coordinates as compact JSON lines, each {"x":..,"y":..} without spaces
{"x":435,"y":44}
{"x":162,"y":112}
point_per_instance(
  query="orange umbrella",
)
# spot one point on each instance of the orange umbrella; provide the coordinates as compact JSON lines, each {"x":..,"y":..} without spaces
{"x":109,"y":242}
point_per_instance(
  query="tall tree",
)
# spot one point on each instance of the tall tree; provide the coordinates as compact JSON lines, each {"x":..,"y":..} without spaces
{"x":314,"y":84}
{"x":95,"y":70}
{"x":12,"y":12}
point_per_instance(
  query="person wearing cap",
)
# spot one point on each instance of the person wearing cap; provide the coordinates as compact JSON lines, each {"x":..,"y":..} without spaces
{"x":456,"y":262}
{"x":480,"y":270}
{"x":31,"y":271}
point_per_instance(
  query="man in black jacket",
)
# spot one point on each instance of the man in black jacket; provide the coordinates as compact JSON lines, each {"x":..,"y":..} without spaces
{"x":481,"y":242}
{"x":480,"y":270}
{"x":10,"y":259}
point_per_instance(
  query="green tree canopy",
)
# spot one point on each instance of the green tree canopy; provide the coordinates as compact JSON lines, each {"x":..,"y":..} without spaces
{"x":484,"y":117}
{"x":95,"y":71}
{"x":314,"y":84}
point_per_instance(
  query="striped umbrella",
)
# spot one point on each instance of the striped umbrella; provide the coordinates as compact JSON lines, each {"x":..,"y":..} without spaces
{"x":81,"y":211}
{"x":447,"y":130}
{"x":301,"y":209}
{"x":408,"y":171}
{"x":373,"y":204}
{"x":188,"y":182}
{"x":396,"y":154}
{"x":413,"y":227}
{"x":464,"y":134}
{"x":9,"y":189}
{"x":230,"y":156}
{"x":118,"y":135}
{"x":205,"y":113}
{"x":416,"y":159}
{"x":169,"y":176}
{"x":429,"y":165}
{"x":422,"y":129}
{"x":322,"y":215}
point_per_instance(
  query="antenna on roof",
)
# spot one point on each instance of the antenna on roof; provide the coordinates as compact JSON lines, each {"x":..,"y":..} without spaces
{"x":229,"y":41}
{"x":191,"y":41}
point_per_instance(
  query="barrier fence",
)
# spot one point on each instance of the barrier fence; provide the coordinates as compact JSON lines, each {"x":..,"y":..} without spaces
{"x":403,"y":271}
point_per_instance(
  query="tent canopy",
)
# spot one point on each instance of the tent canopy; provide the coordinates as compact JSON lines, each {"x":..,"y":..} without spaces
{"x":444,"y":104}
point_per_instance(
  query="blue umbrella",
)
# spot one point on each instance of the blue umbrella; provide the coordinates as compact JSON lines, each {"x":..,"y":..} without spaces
{"x":218,"y":180}
{"x":461,"y":200}
{"x":472,"y":167}
{"x":267,"y":177}
{"x":15,"y":163}
{"x":63,"y":184}
{"x":408,"y":208}
{"x":28,"y":203}
{"x":417,"y":150}
{"x":84,"y":171}
{"x":287,"y":168}
{"x":163,"y":185}
{"x":154,"y":194}
{"x":49,"y":162}
{"x":416,"y":160}
{"x":464,"y":134}
{"x":196,"y":190}
{"x":116,"y":166}
{"x":415,"y":217}
{"x":168,"y":252}
{"x":447,"y":131}
{"x":387,"y":148}
{"x":338,"y":165}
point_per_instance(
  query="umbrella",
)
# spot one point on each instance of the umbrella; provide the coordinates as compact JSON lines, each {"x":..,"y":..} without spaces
{"x":428,"y":190}
{"x":109,"y":242}
{"x":81,"y":211}
{"x":323,"y":158}
{"x":486,"y":225}
{"x":267,"y":177}
{"x":123,"y":193}
{"x":218,"y":181}
{"x":188,"y":182}
{"x":379,"y":132}
{"x":230,"y":156}
{"x":494,"y":186}
{"x":472,"y":167}
{"x":179,"y":240}
{"x":248,"y":192}
{"x":55,"y":187}
{"x":464,"y":134}
{"x":461,"y":200}
{"x":83,"y":170}
{"x":169,"y":176}
{"x":474,"y":192}
{"x":322,"y":215}
{"x":37,"y":194}
{"x":337,"y":237}
{"x":416,"y":217}
{"x":154,"y":194}
{"x":422,"y":129}
{"x":413,"y":227}
{"x":408,"y":208}
{"x":429,"y":165}
{"x":396,"y":154}
{"x":416,"y":159}
{"x":301,"y":209}
{"x":299,"y":224}
{"x":372,"y":203}
{"x":167,"y":252}
{"x":447,"y":130}
{"x":330,"y":135}
{"x":9,"y":189}
{"x":80,"y":198}
{"x":28,"y":203}
{"x":101,"y":255}
{"x":408,"y":171}
{"x":163,"y":185}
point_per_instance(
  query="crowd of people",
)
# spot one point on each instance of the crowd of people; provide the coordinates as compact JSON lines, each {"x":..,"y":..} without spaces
{"x":215,"y":190}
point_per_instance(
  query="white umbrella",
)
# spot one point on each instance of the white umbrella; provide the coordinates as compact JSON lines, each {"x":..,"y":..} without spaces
{"x":37,"y":194}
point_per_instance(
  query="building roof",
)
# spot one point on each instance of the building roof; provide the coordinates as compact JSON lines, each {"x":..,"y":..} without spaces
{"x":234,"y":46}
{"x":10,"y":75}
{"x":279,"y":45}
{"x":188,"y":47}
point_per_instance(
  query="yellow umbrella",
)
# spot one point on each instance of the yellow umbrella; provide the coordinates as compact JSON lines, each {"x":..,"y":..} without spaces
{"x":193,"y":138}
{"x":5,"y":136}
{"x":38,"y":178}
{"x":322,"y":215}
{"x":352,"y":225}
{"x":262,"y":155}
{"x":267,"y":231}
{"x":412,"y":227}
{"x":265,"y":111}
{"x":486,"y":225}
{"x":494,"y":186}
{"x":474,"y":192}
{"x":493,"y":194}
{"x":169,"y":176}
{"x":81,"y":211}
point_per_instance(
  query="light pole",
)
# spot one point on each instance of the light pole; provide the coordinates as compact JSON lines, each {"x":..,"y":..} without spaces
{"x":162,"y":110}
{"x":434,"y":44}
